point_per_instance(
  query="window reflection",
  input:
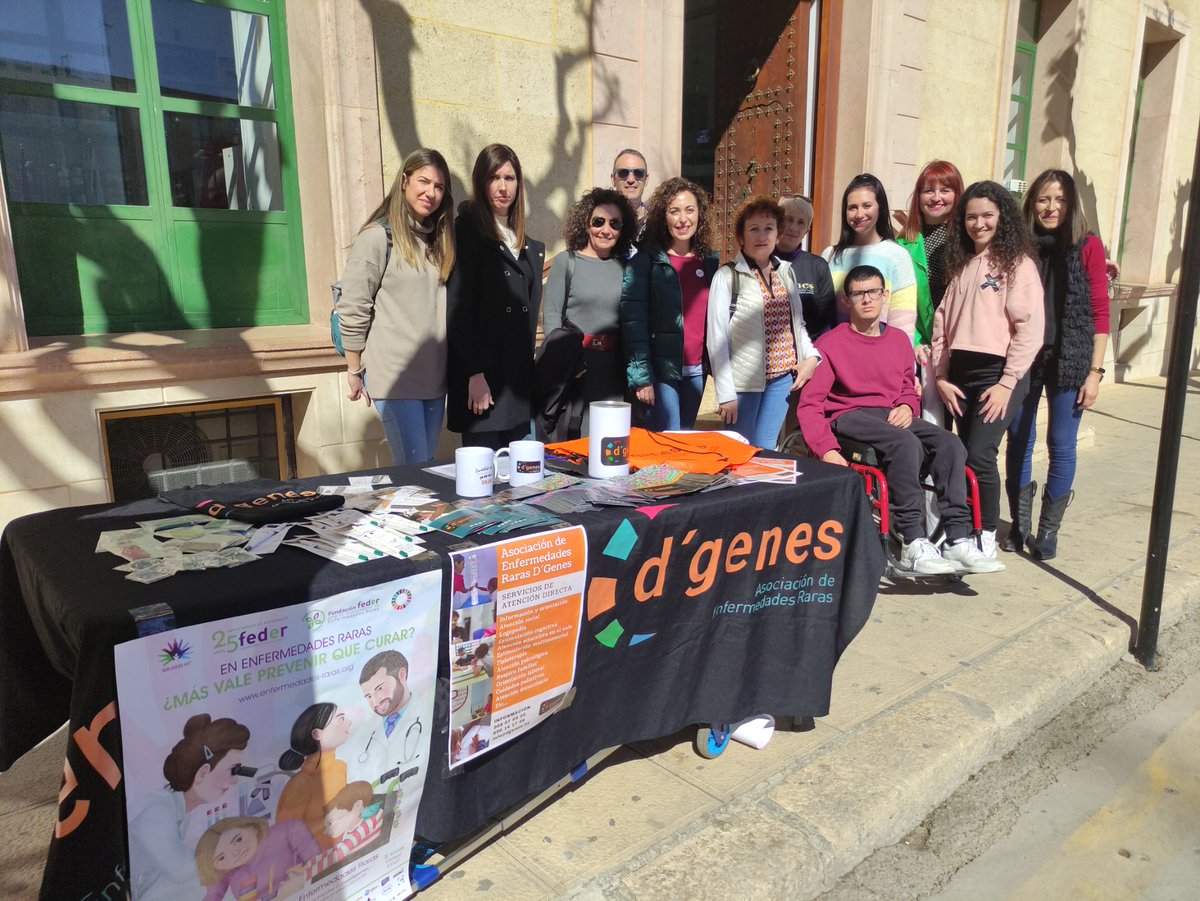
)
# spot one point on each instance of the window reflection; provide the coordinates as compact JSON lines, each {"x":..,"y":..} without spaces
{"x":224,"y":164}
{"x":208,"y":53}
{"x":59,"y":151}
{"x":75,"y":42}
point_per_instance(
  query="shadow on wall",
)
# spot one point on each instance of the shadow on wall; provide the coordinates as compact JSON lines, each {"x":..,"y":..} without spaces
{"x":1178,"y":227}
{"x":547,"y":193}
{"x":1060,"y":106}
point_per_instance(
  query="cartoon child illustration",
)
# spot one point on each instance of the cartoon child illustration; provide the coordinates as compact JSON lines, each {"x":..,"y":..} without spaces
{"x":251,"y":859}
{"x":353,"y":820}
{"x":317,"y":733}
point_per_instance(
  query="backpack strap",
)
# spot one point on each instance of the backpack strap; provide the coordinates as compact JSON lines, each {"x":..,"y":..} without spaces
{"x":387,"y":257}
{"x":567,"y":290}
{"x":733,"y":291}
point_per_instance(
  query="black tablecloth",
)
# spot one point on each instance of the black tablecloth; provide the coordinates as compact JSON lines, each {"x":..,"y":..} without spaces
{"x":709,"y":609}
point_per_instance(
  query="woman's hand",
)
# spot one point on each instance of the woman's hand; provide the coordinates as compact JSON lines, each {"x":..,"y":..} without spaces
{"x":835,"y":458}
{"x":804,"y":372}
{"x":1088,"y":392}
{"x":729,"y":412}
{"x":950,"y":394}
{"x":645,"y":394}
{"x":357,"y":388}
{"x":924,"y":354}
{"x":479,"y":395}
{"x":995,"y":403}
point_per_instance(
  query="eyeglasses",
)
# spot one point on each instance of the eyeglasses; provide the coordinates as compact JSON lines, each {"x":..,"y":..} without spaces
{"x":598,"y":222}
{"x":873,"y":293}
{"x":639,"y":174}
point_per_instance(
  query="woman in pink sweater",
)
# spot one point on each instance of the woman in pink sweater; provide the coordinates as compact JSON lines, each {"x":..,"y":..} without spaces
{"x":987,"y":332}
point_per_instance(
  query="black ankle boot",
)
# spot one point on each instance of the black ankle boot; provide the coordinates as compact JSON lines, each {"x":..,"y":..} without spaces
{"x":1045,"y":546}
{"x":1020,"y":506}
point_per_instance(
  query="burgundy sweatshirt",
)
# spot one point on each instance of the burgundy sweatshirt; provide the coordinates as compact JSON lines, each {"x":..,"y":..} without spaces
{"x":856,"y":372}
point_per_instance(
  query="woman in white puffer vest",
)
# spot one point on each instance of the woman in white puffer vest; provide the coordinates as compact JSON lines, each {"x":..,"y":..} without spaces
{"x":758,"y":347}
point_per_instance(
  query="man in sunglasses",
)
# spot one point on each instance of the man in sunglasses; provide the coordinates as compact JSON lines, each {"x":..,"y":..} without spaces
{"x":629,"y":176}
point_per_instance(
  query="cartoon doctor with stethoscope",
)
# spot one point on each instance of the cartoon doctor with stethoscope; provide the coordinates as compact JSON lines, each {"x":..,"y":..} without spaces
{"x":394,"y":740}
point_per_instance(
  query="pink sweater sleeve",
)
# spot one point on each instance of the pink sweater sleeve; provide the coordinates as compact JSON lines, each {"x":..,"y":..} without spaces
{"x":811,"y":412}
{"x":1093,"y":265}
{"x":1026,"y":312}
{"x":940,"y":358}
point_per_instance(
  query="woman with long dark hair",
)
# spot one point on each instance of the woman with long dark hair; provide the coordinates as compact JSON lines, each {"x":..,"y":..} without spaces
{"x":584,"y":288}
{"x":316,"y":735}
{"x":664,"y":302}
{"x":494,"y":296}
{"x":1069,"y":366}
{"x":393,"y":307}
{"x":987,"y":331}
{"x":867,"y":239}
{"x":925,"y":235}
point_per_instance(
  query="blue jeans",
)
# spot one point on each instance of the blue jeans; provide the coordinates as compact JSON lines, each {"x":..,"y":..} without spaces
{"x":761,"y":413}
{"x":1063,"y":432}
{"x":676,"y":404}
{"x":412,"y":428}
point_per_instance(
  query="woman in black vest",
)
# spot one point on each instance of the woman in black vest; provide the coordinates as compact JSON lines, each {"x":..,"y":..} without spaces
{"x":1068,"y":368}
{"x":493,"y":299}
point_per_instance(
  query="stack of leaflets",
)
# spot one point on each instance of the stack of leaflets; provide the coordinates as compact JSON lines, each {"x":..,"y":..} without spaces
{"x":375,"y":523}
{"x":160,"y":548}
{"x":772,"y":470}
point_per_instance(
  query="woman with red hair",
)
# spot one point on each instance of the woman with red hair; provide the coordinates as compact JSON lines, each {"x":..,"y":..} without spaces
{"x":924,"y":234}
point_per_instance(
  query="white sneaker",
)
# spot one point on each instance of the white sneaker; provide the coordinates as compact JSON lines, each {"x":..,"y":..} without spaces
{"x":967,"y":558}
{"x":988,"y":541}
{"x":920,"y":556}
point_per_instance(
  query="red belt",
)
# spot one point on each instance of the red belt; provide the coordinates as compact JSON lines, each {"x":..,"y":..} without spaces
{"x":607,"y":341}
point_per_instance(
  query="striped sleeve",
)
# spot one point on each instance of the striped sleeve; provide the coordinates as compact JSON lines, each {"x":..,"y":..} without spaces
{"x":902,"y":286}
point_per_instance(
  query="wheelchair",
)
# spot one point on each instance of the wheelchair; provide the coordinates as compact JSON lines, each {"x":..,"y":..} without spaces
{"x":865,"y":461}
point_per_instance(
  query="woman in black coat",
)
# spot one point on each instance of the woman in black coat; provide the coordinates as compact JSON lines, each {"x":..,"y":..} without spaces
{"x":493,"y":298}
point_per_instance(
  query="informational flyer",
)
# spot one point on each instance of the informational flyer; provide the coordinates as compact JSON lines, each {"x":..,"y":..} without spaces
{"x":514,"y":628}
{"x":281,"y":754}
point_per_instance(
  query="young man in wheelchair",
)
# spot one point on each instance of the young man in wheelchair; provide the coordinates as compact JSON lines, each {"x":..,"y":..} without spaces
{"x":865,"y":390}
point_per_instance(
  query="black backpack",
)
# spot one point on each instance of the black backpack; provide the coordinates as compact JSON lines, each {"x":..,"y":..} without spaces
{"x":558,"y":391}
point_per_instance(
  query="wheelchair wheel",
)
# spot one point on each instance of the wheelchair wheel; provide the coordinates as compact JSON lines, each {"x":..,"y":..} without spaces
{"x":711,"y":741}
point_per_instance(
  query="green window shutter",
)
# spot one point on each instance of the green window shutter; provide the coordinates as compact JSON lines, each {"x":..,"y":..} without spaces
{"x":150,"y":167}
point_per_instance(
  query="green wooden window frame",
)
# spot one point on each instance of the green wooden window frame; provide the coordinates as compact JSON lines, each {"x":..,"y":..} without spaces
{"x":104,"y":268}
{"x":1018,"y":150}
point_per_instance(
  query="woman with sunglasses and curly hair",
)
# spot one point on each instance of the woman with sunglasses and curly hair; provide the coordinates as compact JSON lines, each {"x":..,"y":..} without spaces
{"x":584,"y":288}
{"x":987,"y":332}
{"x":1069,"y":366}
{"x":664,"y":303}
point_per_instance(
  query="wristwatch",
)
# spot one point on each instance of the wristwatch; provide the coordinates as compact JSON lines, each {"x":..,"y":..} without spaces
{"x":1098,"y":369}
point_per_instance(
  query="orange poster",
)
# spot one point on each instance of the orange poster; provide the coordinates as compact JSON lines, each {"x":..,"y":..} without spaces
{"x":514,"y":627}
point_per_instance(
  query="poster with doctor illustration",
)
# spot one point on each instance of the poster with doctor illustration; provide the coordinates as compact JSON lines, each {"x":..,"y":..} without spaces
{"x":281,"y":754}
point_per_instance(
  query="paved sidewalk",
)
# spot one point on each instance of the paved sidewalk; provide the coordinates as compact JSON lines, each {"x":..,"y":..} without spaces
{"x":936,"y":685}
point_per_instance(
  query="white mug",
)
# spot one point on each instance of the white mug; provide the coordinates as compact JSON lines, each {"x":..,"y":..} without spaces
{"x":527,"y":462}
{"x":474,"y":471}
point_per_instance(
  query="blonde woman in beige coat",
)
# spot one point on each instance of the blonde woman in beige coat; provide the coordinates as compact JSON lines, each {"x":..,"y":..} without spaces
{"x":393,"y":308}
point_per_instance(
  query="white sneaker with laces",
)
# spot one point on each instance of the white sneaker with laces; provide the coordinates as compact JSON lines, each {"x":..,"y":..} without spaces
{"x":967,"y":558}
{"x":920,"y":556}
{"x":988,"y":540}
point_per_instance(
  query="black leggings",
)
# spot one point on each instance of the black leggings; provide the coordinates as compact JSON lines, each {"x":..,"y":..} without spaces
{"x":973,"y":373}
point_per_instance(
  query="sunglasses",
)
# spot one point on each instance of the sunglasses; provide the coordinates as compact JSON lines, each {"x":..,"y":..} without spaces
{"x":639,"y":174}
{"x":598,"y":222}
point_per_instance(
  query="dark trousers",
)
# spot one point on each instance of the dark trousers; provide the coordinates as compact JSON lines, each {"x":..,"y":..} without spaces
{"x":495,"y":440}
{"x":974,"y":373}
{"x":904,"y":453}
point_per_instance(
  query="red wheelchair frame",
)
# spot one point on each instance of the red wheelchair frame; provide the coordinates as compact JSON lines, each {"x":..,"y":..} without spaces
{"x":876,"y":487}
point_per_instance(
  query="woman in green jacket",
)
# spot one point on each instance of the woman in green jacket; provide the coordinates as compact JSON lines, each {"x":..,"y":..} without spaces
{"x":923,"y":234}
{"x":664,"y":303}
